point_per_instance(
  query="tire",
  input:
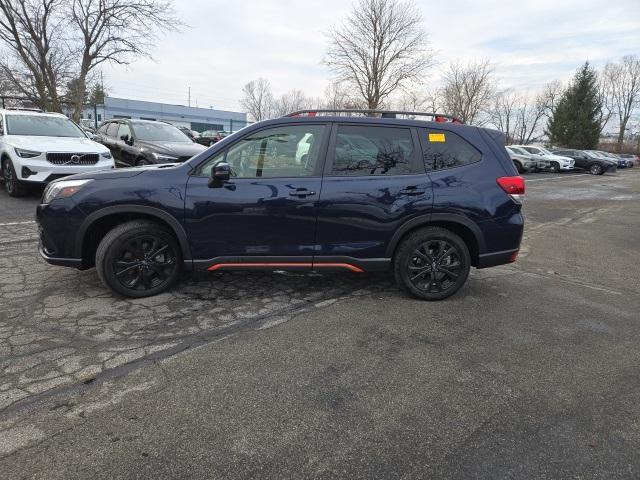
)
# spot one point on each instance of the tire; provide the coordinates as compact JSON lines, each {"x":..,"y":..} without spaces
{"x":13,"y":186}
{"x":555,"y":167}
{"x":518,"y":166}
{"x":125,"y":262}
{"x":596,"y":169}
{"x":141,"y":162}
{"x":416,"y":276}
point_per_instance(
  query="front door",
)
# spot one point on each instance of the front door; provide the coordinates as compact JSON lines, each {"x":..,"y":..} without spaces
{"x":374,"y":181}
{"x":267,"y":212}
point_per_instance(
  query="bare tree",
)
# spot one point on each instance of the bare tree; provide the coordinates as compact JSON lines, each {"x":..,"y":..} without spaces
{"x":605,"y":101}
{"x":623,"y":79}
{"x":504,"y":112}
{"x":289,"y":102}
{"x":257,"y":99}
{"x":32,"y":32}
{"x":381,"y":47}
{"x":116,"y":31}
{"x":529,"y":115}
{"x":468,"y":90}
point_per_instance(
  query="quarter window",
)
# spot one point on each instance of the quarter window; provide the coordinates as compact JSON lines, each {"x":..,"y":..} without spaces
{"x":445,"y":149}
{"x":290,"y":151}
{"x":367,"y":150}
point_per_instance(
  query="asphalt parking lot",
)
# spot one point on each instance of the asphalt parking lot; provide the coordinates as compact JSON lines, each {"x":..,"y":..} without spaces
{"x":531,"y":371}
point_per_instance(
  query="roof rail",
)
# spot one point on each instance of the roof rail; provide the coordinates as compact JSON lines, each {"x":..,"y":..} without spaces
{"x":438,"y":117}
{"x":25,"y":109}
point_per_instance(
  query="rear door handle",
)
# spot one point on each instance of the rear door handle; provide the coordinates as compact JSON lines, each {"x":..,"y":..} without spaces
{"x":412,"y":190}
{"x":301,"y":193}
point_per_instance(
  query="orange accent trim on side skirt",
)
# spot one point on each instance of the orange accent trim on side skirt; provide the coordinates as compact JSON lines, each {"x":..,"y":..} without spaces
{"x":348,"y":266}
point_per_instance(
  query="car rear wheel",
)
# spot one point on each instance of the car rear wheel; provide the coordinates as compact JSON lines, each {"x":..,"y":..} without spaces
{"x":518,"y":166}
{"x":596,"y":169}
{"x":432,"y":263}
{"x":554,"y":167}
{"x":13,"y":186}
{"x":138,"y":259}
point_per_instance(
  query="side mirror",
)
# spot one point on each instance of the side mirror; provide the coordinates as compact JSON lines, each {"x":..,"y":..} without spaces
{"x":220,"y":173}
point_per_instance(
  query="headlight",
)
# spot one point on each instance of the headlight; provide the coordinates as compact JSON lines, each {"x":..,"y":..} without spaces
{"x":163,"y":158}
{"x":105,"y":154}
{"x":62,"y":189}
{"x":26,"y":153}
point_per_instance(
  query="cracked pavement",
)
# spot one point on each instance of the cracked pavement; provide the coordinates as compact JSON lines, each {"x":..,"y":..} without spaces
{"x":531,"y":371}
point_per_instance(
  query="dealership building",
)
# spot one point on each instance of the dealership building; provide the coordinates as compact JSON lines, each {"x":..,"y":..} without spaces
{"x":198,"y":119}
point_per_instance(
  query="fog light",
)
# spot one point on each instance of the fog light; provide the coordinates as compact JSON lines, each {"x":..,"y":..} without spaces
{"x":26,"y":172}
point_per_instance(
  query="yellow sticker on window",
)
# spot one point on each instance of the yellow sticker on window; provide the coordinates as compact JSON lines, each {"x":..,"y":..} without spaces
{"x":437,"y":137}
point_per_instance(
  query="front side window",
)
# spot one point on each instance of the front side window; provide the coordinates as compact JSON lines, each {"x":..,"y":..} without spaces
{"x":291,"y":151}
{"x":443,"y":149}
{"x":42,"y":126}
{"x":366,"y":150}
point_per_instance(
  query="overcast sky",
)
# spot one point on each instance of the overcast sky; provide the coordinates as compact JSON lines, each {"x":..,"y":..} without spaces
{"x":228,"y":43}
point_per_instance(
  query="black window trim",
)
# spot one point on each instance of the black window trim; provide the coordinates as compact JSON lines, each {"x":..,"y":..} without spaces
{"x":424,"y":144}
{"x":196,"y":171}
{"x":417,"y":166}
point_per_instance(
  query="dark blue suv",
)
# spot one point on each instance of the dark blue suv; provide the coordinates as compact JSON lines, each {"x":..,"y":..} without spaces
{"x":310,"y":191}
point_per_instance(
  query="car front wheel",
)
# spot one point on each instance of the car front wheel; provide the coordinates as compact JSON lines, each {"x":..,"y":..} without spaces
{"x":138,"y":259}
{"x":14,"y":187}
{"x":555,"y":167}
{"x":432,"y":263}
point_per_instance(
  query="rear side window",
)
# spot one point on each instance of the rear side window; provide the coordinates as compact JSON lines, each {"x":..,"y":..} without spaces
{"x":112,"y":130}
{"x":369,"y":150}
{"x":444,"y":149}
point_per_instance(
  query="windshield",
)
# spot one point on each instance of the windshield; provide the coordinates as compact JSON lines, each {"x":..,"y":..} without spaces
{"x":42,"y":126}
{"x":518,"y":150}
{"x":159,"y":132}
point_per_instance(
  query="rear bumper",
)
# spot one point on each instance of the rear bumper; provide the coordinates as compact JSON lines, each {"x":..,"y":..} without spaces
{"x":494,"y":259}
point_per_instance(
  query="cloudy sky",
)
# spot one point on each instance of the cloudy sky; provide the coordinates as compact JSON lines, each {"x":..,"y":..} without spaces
{"x":228,"y":43}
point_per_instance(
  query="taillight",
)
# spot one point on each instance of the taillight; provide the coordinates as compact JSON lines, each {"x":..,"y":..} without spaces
{"x":513,"y":186}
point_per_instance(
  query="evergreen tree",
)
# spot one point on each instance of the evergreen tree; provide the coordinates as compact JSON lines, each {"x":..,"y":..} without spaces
{"x":97,"y":94}
{"x":574,"y":120}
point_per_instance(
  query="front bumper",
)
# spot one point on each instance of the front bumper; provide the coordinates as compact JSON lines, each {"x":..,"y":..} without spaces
{"x":58,"y":261}
{"x":41,"y":171}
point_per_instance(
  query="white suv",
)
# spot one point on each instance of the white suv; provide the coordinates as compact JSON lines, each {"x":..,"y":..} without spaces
{"x":37,"y":147}
{"x":556,"y":162}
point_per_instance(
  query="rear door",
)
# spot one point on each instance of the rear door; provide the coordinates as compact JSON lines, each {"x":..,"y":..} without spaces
{"x":267,"y":212}
{"x":374,"y":181}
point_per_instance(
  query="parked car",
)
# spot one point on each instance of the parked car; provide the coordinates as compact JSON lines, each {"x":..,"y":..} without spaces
{"x":585,"y":161}
{"x":635,"y":159}
{"x":146,"y":142}
{"x":429,"y":202}
{"x":192,"y":134}
{"x":210,"y":137}
{"x":37,"y":147}
{"x":621,"y":163}
{"x":556,"y":162}
{"x":525,"y":161}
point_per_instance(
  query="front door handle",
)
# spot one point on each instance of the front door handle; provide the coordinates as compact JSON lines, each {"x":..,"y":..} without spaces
{"x":301,"y":193}
{"x":412,"y":190}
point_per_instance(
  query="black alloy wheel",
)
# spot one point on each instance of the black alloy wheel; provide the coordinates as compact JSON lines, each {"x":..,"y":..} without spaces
{"x":596,"y":169}
{"x":432,"y":263}
{"x":11,"y":183}
{"x":555,"y":167}
{"x":138,"y":259}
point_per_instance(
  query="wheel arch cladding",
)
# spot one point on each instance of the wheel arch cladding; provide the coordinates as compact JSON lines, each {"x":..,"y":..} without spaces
{"x":99,"y":223}
{"x":468,"y":231}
